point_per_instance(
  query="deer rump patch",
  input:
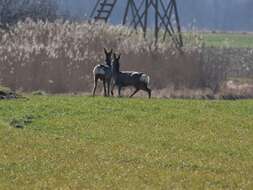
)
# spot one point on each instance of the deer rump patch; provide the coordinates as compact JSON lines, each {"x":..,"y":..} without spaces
{"x":145,"y":78}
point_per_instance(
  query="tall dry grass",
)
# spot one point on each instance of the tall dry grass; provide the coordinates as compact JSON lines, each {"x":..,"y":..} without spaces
{"x":59,"y":57}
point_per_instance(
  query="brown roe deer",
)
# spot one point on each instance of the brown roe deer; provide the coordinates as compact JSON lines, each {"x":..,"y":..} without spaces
{"x":104,"y":73}
{"x":138,"y":80}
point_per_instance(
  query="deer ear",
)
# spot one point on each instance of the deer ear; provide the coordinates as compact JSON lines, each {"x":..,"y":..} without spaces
{"x":105,"y":51}
{"x":111,"y":51}
{"x":119,"y":56}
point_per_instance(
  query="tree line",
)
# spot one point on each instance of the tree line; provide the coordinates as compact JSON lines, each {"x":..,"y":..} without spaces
{"x":12,"y":11}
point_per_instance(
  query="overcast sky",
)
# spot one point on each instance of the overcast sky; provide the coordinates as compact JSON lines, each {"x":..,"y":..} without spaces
{"x":205,"y":14}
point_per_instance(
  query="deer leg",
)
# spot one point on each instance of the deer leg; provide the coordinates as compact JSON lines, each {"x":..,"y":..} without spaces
{"x":119,"y":90}
{"x":148,"y":91}
{"x":113,"y":86}
{"x":104,"y":83}
{"x":95,"y":85}
{"x":108,"y":87}
{"x":136,"y":90}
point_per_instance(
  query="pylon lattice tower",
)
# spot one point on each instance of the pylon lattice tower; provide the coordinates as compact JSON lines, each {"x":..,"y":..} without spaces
{"x":138,"y":14}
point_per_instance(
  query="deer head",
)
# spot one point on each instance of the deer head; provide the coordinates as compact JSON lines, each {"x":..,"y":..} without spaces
{"x":108,"y":56}
{"x":116,"y":64}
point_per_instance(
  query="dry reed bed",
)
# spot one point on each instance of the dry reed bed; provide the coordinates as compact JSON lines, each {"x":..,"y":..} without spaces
{"x":59,"y":57}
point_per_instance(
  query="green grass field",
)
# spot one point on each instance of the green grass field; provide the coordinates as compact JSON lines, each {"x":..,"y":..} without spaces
{"x":99,"y":143}
{"x":234,"y":40}
{"x":220,"y":40}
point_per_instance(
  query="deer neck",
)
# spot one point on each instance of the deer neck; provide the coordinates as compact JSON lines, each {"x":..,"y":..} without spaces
{"x":115,"y":70}
{"x":108,"y":62}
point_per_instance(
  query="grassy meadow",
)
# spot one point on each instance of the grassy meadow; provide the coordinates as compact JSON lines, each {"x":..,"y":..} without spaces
{"x":78,"y":142}
{"x":234,"y":40}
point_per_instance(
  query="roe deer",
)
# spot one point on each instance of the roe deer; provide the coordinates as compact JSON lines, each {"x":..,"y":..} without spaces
{"x":104,"y":73}
{"x":138,"y":80}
